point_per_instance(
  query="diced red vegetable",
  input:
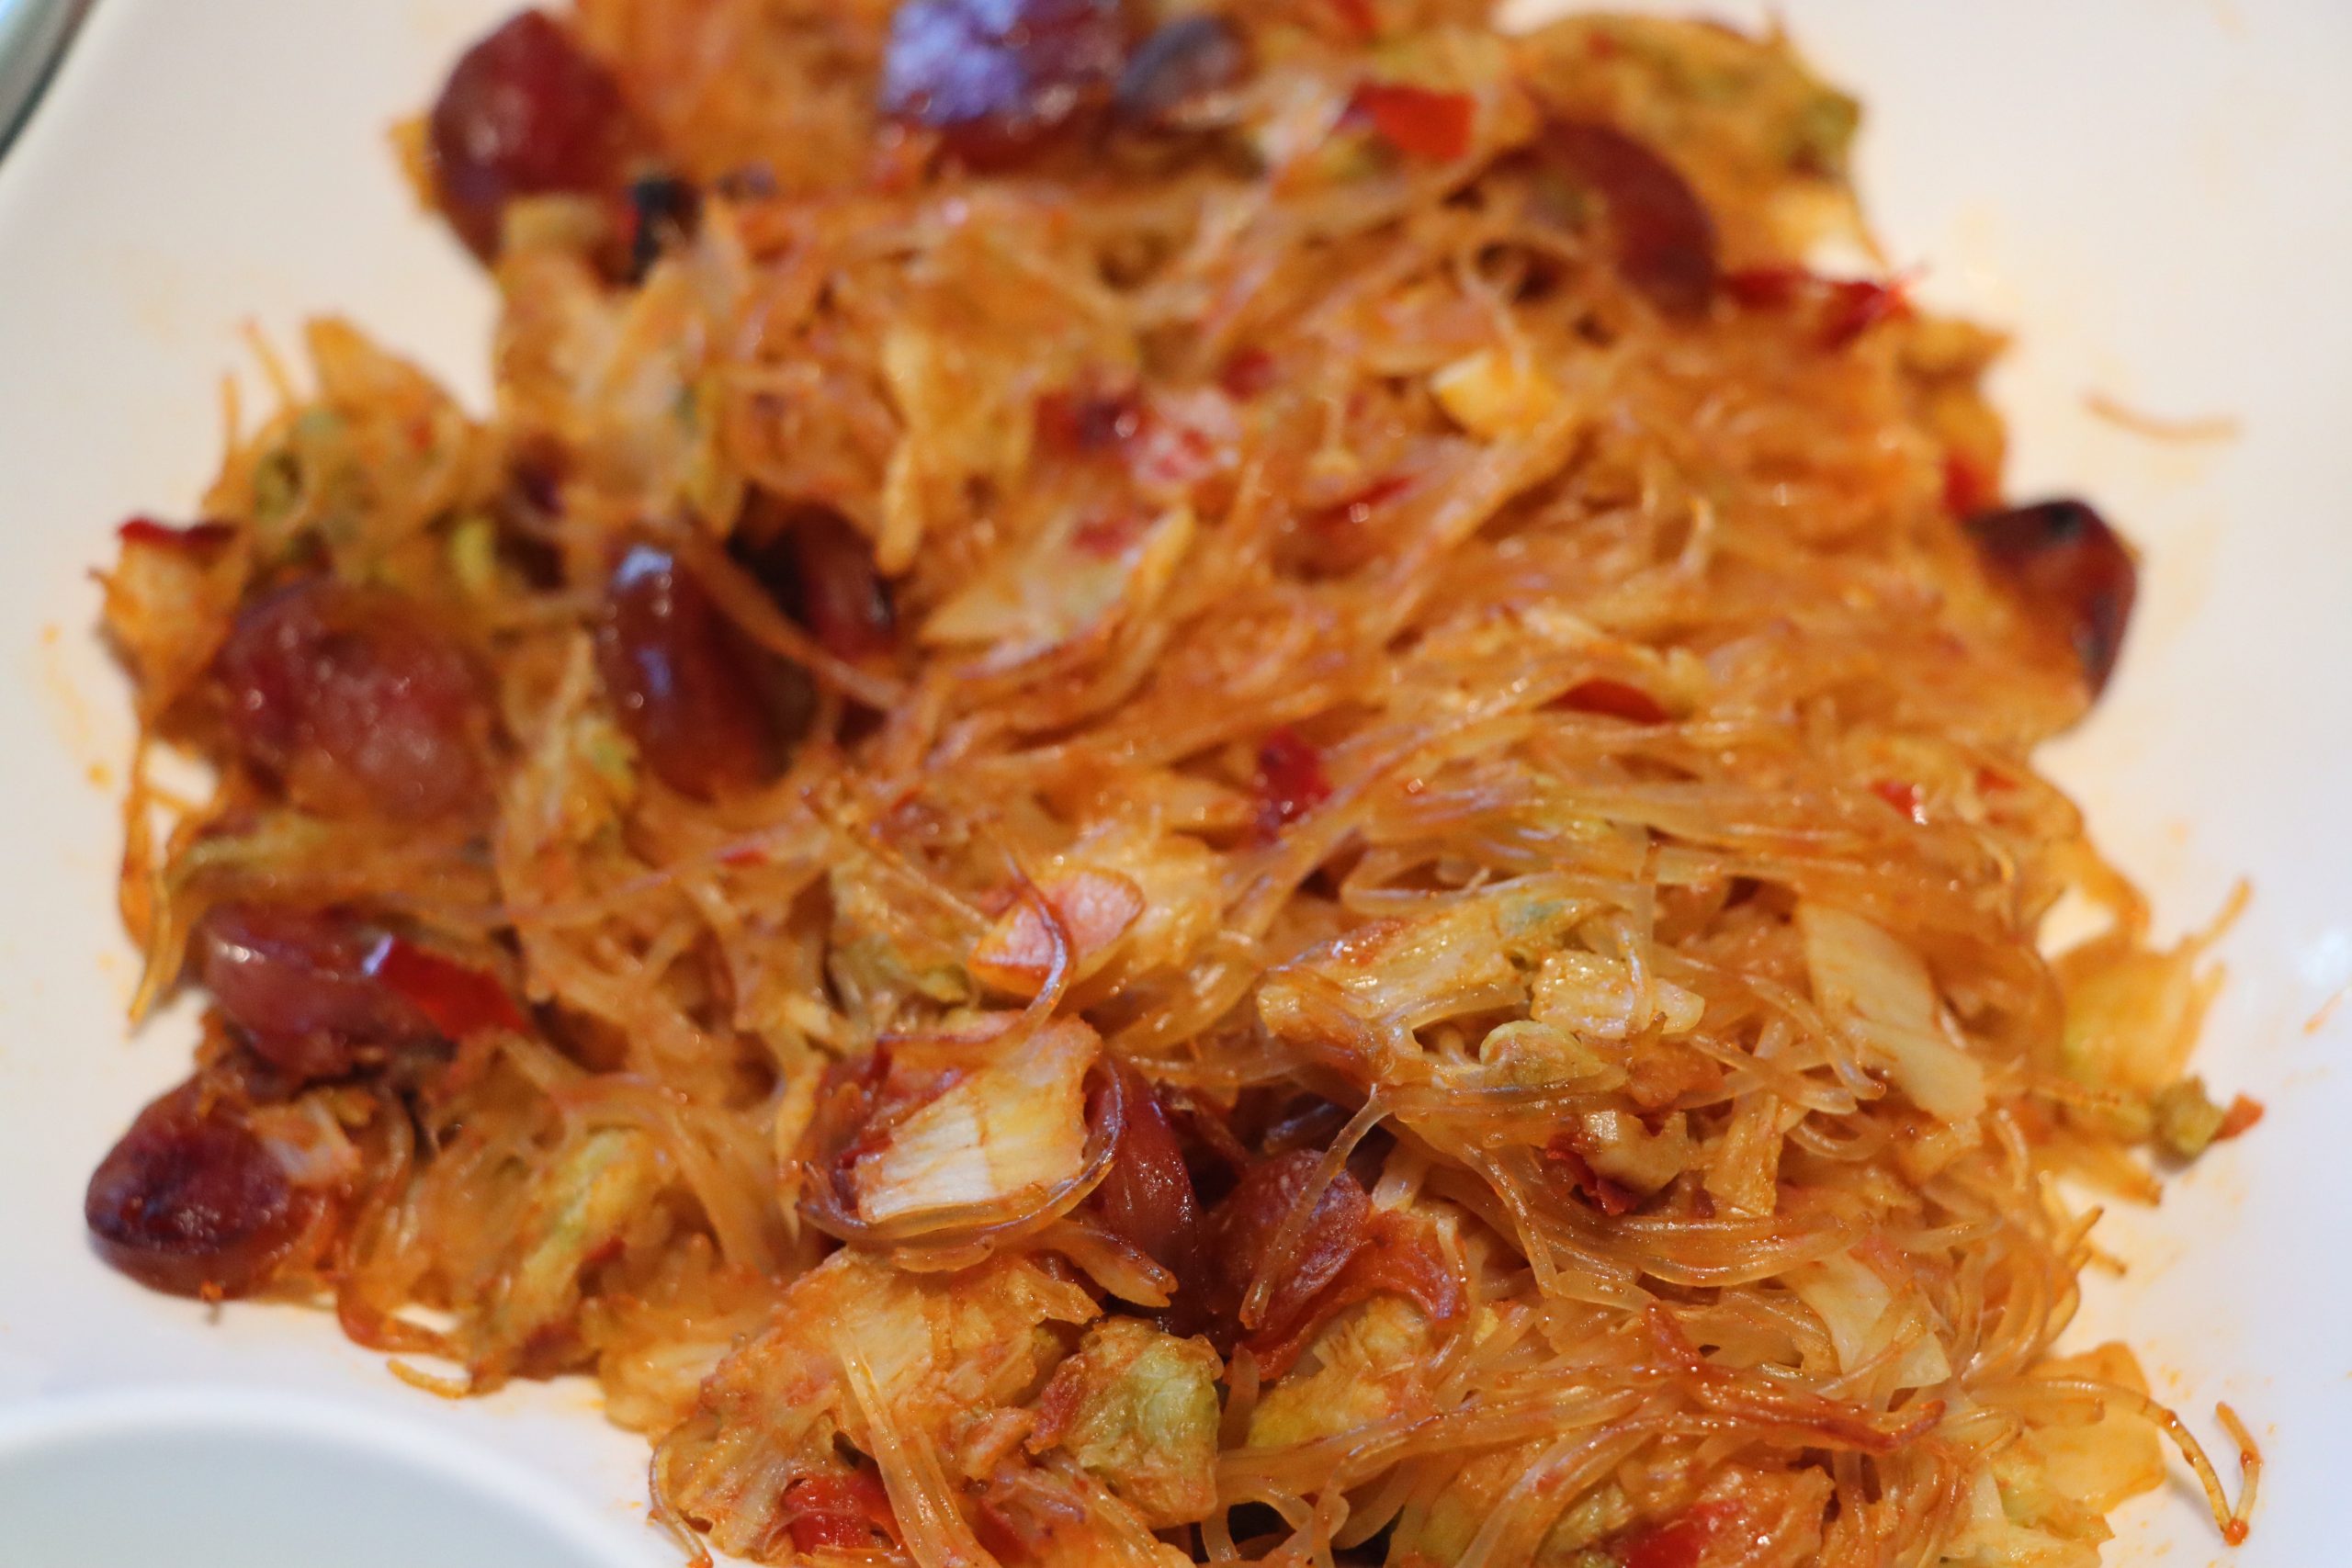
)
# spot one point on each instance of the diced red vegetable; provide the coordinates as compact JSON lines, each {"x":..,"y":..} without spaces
{"x":1290,"y":783}
{"x":299,"y":985}
{"x":1147,"y":1196}
{"x":681,"y":681}
{"x":356,"y":702}
{"x":1766,"y":288}
{"x":196,"y":536}
{"x":2243,"y":1111}
{"x":1683,"y":1541}
{"x":190,"y":1201}
{"x":815,"y":1526}
{"x":1611,"y":1198}
{"x":1418,"y":122}
{"x":459,"y":998}
{"x":994,"y":76}
{"x":839,"y":1512}
{"x":1844,"y":307}
{"x":1853,"y":306}
{"x":1613,"y":699}
{"x":1902,"y":795}
{"x":1665,"y":238}
{"x":2073,"y":573}
{"x":526,"y":112}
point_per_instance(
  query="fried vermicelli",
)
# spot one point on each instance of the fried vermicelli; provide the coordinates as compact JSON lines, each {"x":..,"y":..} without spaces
{"x":1175,"y":784}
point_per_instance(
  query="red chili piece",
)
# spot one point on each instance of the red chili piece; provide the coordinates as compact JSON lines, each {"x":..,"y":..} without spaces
{"x":1844,"y":307}
{"x":1417,"y":121}
{"x":1147,"y":1196}
{"x":995,"y":76}
{"x":1903,"y":796}
{"x":1766,"y":288}
{"x":679,"y":682}
{"x":2244,"y":1113}
{"x":198,"y":538}
{"x":356,"y":702}
{"x":298,"y":984}
{"x":2074,"y":574}
{"x":526,"y":112}
{"x":839,"y":1513}
{"x":1290,"y":783}
{"x":1855,"y":305}
{"x":1682,"y":1542}
{"x":1611,"y":699}
{"x":457,"y":999}
{"x":1664,"y":237}
{"x":190,"y":1201}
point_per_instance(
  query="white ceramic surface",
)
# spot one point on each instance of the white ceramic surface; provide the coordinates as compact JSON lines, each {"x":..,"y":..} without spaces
{"x":217,"y":1475}
{"x":31,"y":34}
{"x":2157,"y":194}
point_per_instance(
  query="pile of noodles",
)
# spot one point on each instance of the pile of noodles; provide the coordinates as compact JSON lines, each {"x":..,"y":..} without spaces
{"x":1504,"y":710}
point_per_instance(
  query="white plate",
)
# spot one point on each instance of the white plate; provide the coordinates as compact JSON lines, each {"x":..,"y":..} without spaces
{"x":2157,"y":193}
{"x":228,"y":1476}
